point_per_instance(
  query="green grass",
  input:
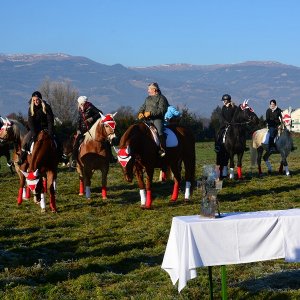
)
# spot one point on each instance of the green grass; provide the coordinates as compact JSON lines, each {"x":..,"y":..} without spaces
{"x":113,"y":250}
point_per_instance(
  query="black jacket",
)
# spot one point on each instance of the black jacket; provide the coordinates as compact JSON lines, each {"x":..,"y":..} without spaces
{"x":273,"y":118}
{"x":40,"y":120}
{"x":89,"y":111}
{"x":227,"y":113}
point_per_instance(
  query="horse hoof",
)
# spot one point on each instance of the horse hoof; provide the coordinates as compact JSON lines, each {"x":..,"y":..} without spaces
{"x":104,"y":198}
{"x":80,"y":194}
{"x":172,"y":202}
{"x":43,"y":210}
{"x":142,"y":206}
{"x":54,"y":211}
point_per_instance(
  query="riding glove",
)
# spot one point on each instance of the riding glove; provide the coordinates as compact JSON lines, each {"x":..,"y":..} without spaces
{"x":147,"y":114}
{"x":140,"y":116}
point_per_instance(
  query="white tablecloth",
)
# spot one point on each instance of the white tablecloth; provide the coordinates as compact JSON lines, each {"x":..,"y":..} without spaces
{"x":196,"y":241}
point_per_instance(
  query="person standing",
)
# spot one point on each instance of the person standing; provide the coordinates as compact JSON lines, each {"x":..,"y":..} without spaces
{"x":273,"y":120}
{"x":40,"y":117}
{"x":154,"y":109}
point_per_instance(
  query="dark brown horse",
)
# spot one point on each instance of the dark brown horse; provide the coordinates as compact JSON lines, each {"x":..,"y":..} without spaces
{"x":13,"y":132}
{"x":42,"y":170}
{"x":138,"y":153}
{"x":234,"y":141}
{"x":94,"y":154}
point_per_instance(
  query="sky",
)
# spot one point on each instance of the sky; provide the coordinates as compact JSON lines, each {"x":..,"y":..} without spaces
{"x":146,"y":33}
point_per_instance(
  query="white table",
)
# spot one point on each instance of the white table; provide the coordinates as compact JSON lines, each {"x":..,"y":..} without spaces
{"x":235,"y":238}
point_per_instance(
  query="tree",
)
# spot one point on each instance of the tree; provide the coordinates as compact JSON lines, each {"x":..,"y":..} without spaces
{"x":62,"y":98}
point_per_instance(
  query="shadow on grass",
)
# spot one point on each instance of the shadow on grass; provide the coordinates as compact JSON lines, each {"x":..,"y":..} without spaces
{"x":278,"y":281}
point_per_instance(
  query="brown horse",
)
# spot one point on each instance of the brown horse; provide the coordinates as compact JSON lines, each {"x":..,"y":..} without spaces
{"x":42,"y":169}
{"x":138,"y":152}
{"x":94,"y":154}
{"x":13,"y":132}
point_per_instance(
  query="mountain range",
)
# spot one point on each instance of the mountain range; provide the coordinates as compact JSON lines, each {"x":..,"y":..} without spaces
{"x":197,"y":87}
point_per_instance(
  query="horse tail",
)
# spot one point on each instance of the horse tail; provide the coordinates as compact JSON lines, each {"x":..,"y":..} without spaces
{"x":253,"y":152}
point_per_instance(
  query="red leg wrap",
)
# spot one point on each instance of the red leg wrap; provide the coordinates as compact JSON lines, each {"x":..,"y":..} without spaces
{"x":239,"y":172}
{"x":163,"y":176}
{"x":81,"y":187}
{"x":20,"y":194}
{"x":148,"y":199}
{"x":27,"y":192}
{"x":175,"y":192}
{"x":104,"y":192}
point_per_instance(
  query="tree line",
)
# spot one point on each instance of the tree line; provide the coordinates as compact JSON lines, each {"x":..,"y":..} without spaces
{"x":62,"y":97}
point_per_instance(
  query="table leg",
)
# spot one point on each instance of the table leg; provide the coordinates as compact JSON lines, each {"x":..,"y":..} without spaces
{"x":224,"y":282}
{"x":211,"y":294}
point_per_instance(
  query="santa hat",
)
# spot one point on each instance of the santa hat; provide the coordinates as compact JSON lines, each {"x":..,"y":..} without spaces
{"x":82,"y":99}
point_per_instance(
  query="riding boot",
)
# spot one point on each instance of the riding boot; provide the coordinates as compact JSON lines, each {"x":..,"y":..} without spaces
{"x":272,"y":147}
{"x":162,"y":150}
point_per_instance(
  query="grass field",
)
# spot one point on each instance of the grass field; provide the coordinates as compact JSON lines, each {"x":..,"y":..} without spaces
{"x":114,"y":250}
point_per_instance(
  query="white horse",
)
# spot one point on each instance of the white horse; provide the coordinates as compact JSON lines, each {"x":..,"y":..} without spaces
{"x":283,"y":143}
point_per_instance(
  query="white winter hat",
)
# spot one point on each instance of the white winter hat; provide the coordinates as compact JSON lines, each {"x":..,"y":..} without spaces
{"x":82,"y":99}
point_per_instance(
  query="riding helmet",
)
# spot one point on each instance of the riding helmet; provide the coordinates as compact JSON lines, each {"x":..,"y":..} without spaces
{"x":226,"y":97}
{"x":37,"y":94}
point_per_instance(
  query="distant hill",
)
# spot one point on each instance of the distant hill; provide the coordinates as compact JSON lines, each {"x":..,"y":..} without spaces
{"x":197,"y":87}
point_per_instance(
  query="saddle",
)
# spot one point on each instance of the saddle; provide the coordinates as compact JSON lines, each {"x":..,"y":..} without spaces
{"x":171,"y":138}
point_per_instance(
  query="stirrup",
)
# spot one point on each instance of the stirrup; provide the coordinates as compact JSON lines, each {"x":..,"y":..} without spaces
{"x":161,"y":153}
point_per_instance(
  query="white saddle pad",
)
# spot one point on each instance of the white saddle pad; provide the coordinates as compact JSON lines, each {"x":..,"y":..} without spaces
{"x":171,"y":138}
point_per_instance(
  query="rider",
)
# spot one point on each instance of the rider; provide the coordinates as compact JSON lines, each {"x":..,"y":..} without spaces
{"x":40,"y":116}
{"x":172,"y":115}
{"x":88,"y":114}
{"x":154,"y":108}
{"x":273,"y":119}
{"x":227,"y":113}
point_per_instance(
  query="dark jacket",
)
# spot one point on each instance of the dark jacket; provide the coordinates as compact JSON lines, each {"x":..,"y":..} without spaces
{"x":227,"y":115}
{"x":157,"y":105}
{"x":89,"y":111}
{"x":40,"y":120}
{"x":273,"y":118}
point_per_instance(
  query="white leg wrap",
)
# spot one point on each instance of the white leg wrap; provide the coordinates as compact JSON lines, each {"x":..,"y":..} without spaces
{"x":24,"y":193}
{"x":269,"y":166}
{"x":187,"y":193}
{"x":287,"y":172}
{"x":88,"y":192}
{"x":143,"y":197}
{"x":225,"y":171}
{"x":43,"y":202}
{"x":231,"y":173}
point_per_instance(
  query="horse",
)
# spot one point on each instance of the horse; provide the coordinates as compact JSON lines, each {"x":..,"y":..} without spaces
{"x":67,"y":148}
{"x":283,"y":143}
{"x":138,"y":153}
{"x":234,"y":140}
{"x":94,"y":154}
{"x":13,"y":132}
{"x":41,"y":173}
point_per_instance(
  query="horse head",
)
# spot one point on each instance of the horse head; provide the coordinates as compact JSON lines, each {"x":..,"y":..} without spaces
{"x":109,"y":124}
{"x":5,"y":129}
{"x":32,"y":180}
{"x":246,"y":114}
{"x":126,"y":161}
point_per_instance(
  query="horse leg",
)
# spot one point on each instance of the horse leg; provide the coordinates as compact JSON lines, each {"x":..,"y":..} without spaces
{"x":268,"y":164}
{"x":177,"y":179}
{"x":231,"y":165}
{"x":104,"y":172}
{"x":87,"y":175}
{"x":21,"y":187}
{"x":284,"y":164}
{"x":260,"y":151}
{"x":239,"y":165}
{"x":149,"y":178}
{"x":51,"y":187}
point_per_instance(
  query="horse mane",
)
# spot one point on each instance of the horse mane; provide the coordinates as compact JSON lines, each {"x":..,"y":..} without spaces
{"x":19,"y":130}
{"x":91,"y":133}
{"x":132,"y":132}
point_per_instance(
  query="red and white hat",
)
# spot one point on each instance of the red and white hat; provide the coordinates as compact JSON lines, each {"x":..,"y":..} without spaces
{"x":109,"y":120}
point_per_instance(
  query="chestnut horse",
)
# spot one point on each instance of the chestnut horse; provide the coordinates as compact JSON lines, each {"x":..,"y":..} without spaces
{"x":138,"y":153}
{"x":94,"y":154}
{"x":42,"y":170}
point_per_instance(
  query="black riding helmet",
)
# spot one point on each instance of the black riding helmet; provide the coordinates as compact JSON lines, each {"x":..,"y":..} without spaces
{"x":226,"y":97}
